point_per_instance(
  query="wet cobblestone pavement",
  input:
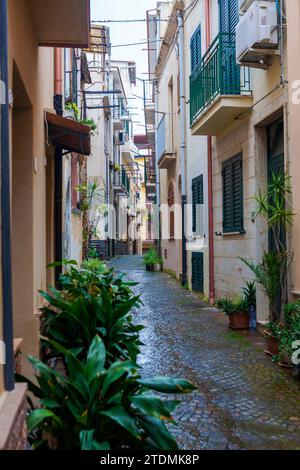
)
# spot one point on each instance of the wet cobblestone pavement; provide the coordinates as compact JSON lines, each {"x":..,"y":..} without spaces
{"x":244,"y":400}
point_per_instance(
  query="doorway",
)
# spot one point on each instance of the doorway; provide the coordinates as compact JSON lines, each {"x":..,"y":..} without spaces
{"x":275,"y":165}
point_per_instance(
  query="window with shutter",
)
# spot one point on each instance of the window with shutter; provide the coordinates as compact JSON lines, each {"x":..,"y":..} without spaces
{"x":198,"y":272}
{"x":197,"y":204}
{"x":195,"y":46}
{"x":233,"y":208}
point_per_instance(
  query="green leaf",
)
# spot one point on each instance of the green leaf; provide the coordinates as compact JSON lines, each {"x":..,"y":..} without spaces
{"x":37,"y":417}
{"x":120,"y":416}
{"x":158,"y":432}
{"x":50,"y":403}
{"x":155,"y":407}
{"x":87,"y":441}
{"x":95,"y":359}
{"x":167,"y":385}
{"x":37,"y":392}
{"x":115,"y":372}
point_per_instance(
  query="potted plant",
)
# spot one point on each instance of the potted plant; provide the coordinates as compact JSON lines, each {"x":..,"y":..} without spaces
{"x":272,"y":334}
{"x":289,"y":336}
{"x":152,"y":261}
{"x":249,"y":292}
{"x":237,"y":312}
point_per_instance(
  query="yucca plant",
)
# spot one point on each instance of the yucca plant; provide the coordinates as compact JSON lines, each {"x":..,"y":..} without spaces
{"x":274,"y":205}
{"x":94,"y":407}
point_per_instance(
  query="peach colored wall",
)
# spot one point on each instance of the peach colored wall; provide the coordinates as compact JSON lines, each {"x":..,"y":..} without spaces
{"x":31,"y":79}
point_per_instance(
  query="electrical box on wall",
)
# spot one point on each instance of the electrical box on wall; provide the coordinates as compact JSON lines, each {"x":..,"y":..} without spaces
{"x":257,"y":35}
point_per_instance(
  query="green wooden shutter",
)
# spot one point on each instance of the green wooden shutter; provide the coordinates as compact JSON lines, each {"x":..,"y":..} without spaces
{"x":233,"y":208}
{"x":195,"y":46}
{"x":197,"y":198}
{"x":198,"y":272}
{"x":228,"y":15}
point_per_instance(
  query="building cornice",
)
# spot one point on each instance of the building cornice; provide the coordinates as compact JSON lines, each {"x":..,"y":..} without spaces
{"x":168,"y":37}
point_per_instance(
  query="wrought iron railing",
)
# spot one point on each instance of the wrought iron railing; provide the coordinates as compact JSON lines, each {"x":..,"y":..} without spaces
{"x":217,"y":74}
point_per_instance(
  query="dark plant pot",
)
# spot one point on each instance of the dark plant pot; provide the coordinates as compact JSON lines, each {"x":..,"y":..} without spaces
{"x":285,"y":361}
{"x":150,"y":267}
{"x":272,"y":344}
{"x":239,"y":321}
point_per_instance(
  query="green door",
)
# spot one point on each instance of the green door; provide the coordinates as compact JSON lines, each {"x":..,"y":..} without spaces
{"x":198,"y":272}
{"x":275,"y":140}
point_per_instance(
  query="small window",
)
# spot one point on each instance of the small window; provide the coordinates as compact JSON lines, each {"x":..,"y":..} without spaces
{"x":195,"y":46}
{"x":233,"y":207}
{"x":197,"y":203}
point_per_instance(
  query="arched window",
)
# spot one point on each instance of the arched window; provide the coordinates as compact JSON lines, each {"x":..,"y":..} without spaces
{"x":171,"y":202}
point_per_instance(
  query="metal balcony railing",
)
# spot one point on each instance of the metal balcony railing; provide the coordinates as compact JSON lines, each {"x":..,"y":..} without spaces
{"x":120,"y":108}
{"x":121,"y":180}
{"x":217,"y":74}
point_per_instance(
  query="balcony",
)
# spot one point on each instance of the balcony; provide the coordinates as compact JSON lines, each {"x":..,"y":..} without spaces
{"x":121,"y":183}
{"x":220,"y":90}
{"x":165,"y":157}
{"x":61,"y":24}
{"x":119,"y":111}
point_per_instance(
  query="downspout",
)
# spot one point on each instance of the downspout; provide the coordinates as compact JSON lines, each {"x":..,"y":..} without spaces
{"x":182,"y":143}
{"x":209,"y":179}
{"x":58,"y":166}
{"x":6,"y":206}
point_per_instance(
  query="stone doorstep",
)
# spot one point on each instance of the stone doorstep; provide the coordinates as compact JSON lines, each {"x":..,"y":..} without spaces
{"x":12,"y":419}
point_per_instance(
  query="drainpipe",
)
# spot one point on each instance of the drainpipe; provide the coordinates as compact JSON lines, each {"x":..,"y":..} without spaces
{"x":210,"y":182}
{"x":58,"y":165}
{"x":182,"y":142}
{"x":6,"y":205}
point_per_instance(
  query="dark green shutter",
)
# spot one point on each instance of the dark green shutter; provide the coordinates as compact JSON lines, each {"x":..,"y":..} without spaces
{"x":233,"y":208}
{"x":197,"y":198}
{"x":195,"y":46}
{"x":198,"y":272}
{"x":228,"y":15}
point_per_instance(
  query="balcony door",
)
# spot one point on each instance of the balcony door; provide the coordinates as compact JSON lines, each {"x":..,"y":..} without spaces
{"x":228,"y":20}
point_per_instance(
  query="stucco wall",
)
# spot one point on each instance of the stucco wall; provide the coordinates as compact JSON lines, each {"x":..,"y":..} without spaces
{"x":196,"y":150}
{"x":249,"y":137}
{"x":31,"y":80}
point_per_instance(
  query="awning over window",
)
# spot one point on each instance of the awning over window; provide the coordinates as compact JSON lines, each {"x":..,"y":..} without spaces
{"x":69,"y":135}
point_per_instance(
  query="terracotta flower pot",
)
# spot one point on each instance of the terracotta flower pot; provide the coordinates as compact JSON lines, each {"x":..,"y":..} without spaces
{"x":272,"y":344}
{"x":285,"y":360}
{"x":239,"y":321}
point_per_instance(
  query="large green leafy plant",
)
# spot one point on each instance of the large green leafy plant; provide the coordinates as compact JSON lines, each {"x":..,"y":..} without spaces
{"x":94,"y":407}
{"x":92,"y":301}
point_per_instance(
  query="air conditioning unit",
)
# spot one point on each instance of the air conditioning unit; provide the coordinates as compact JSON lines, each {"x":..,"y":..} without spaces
{"x":257,"y":35}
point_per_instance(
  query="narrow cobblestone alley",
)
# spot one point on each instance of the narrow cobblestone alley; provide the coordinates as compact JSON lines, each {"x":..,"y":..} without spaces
{"x":244,"y":401}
